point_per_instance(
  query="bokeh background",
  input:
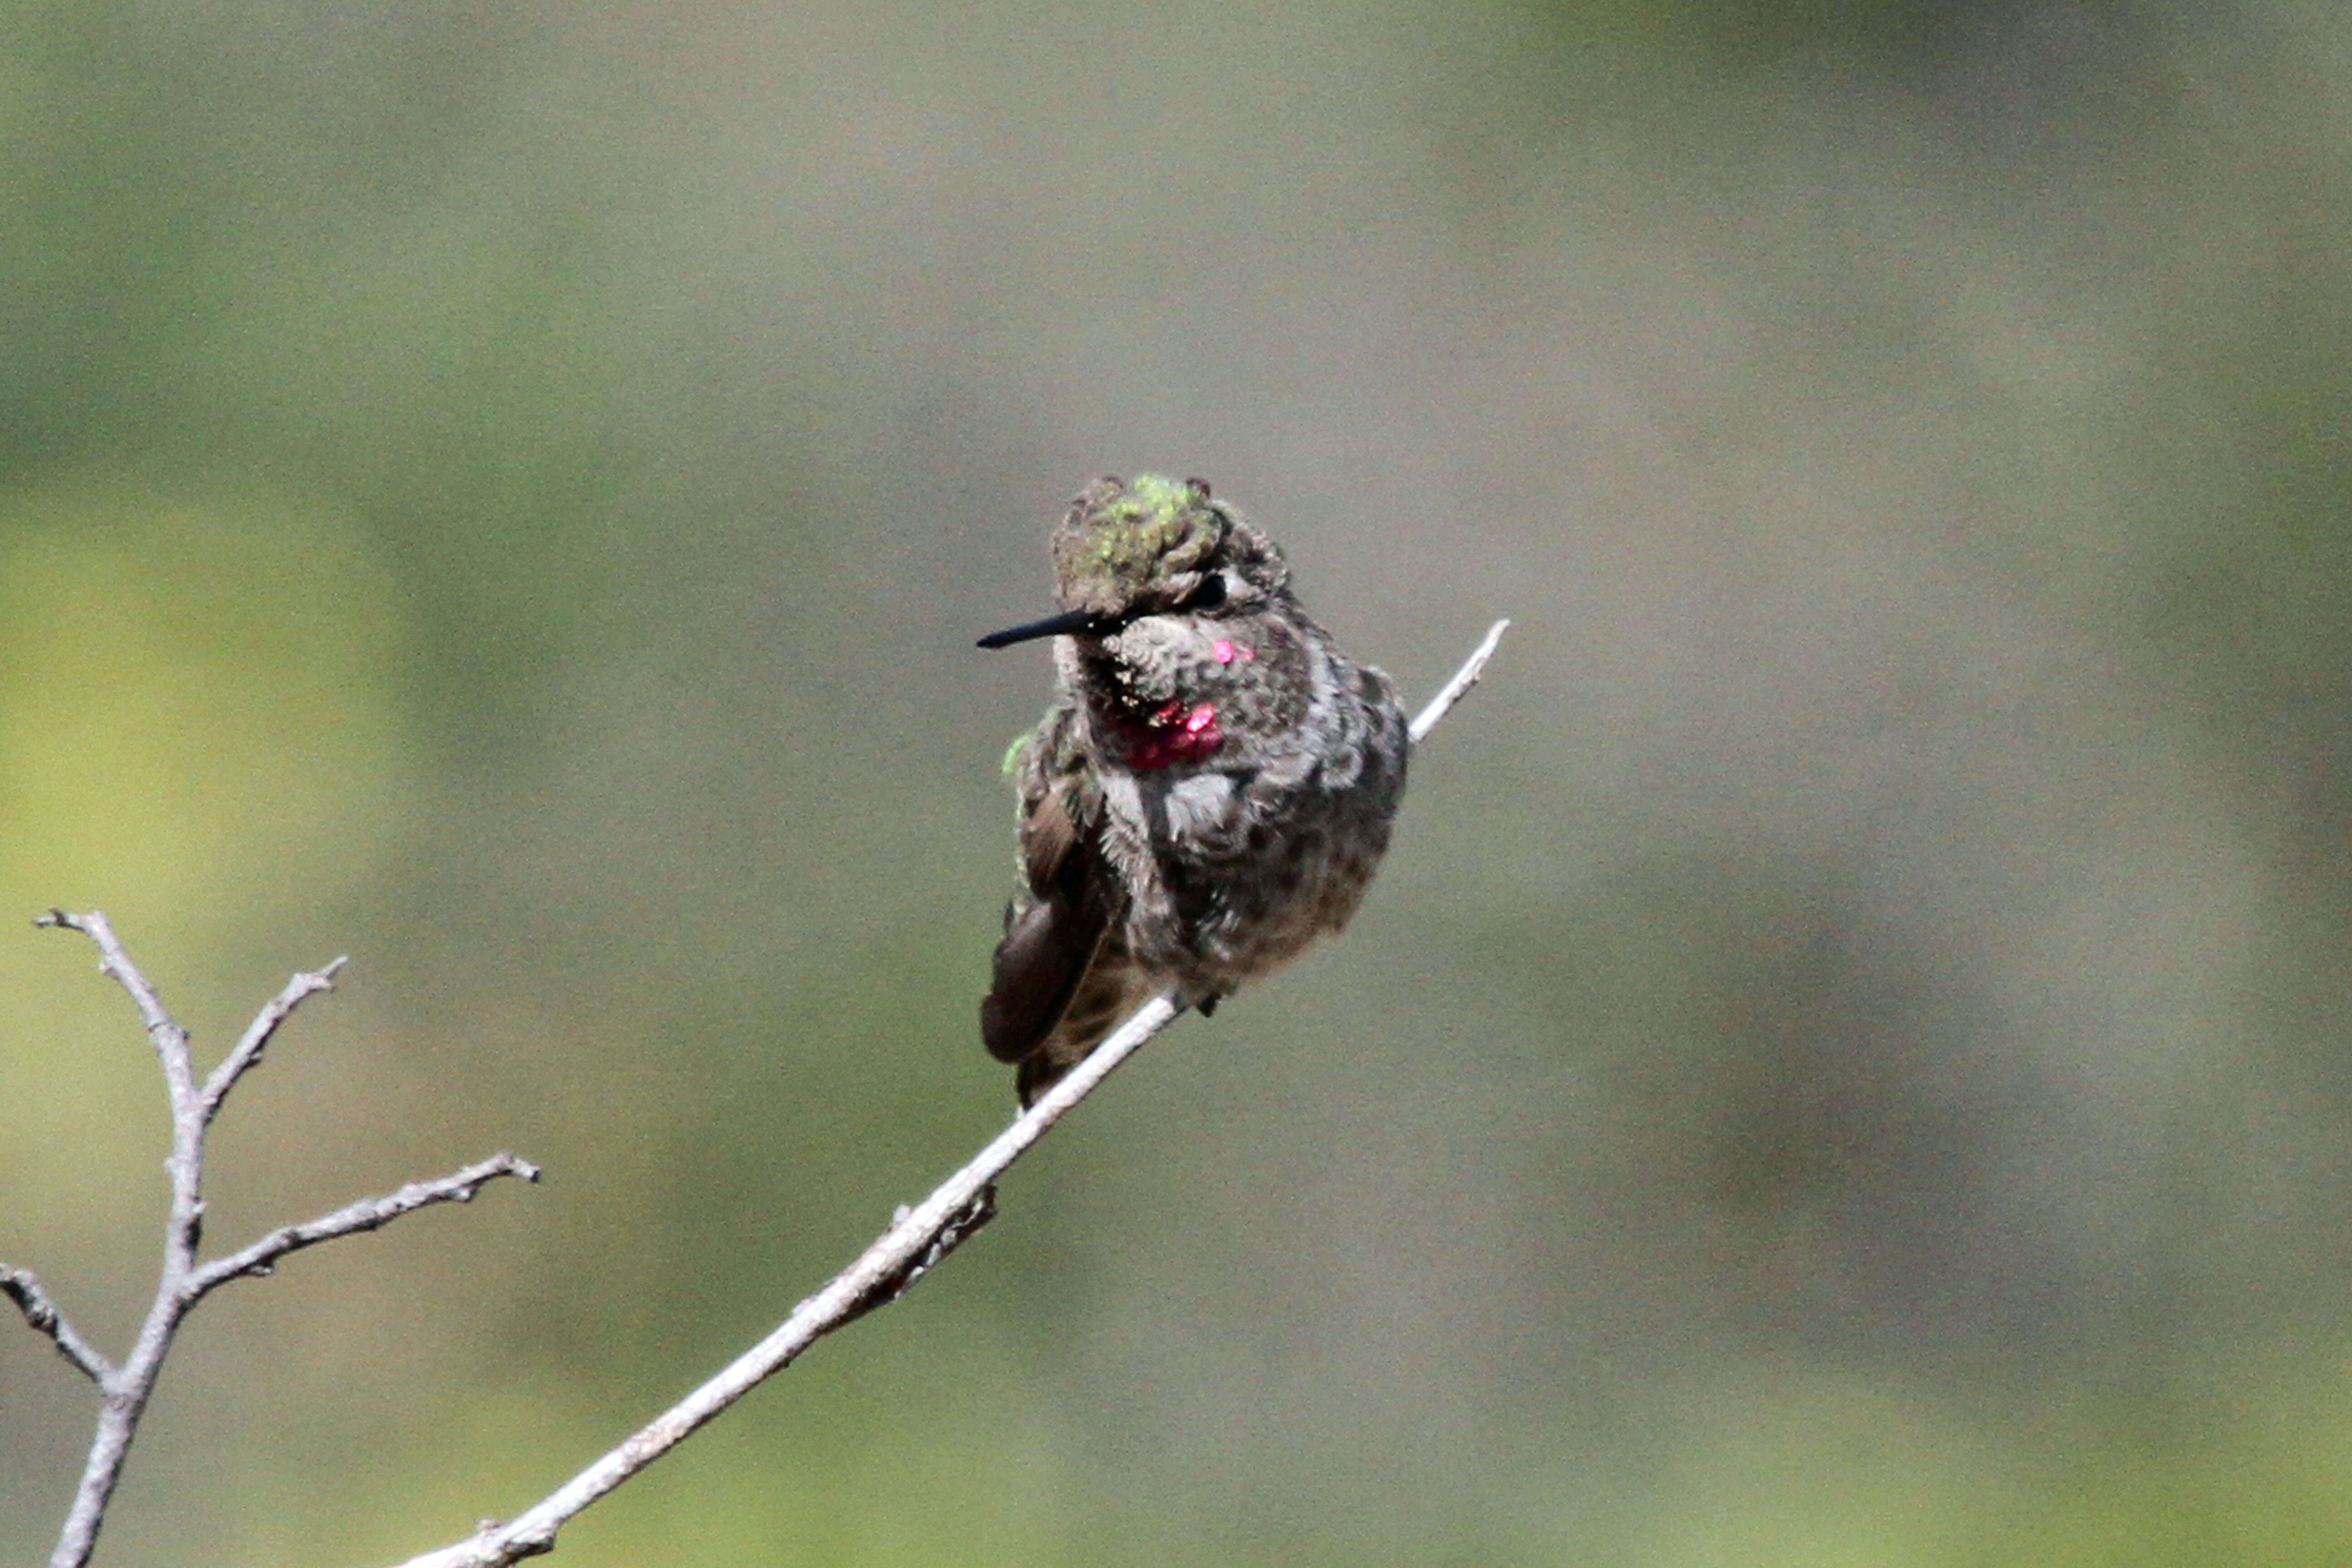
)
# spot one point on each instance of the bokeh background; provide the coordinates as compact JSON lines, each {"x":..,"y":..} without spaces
{"x":1846,"y":1063}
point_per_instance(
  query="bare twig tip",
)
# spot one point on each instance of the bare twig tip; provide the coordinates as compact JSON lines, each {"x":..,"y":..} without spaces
{"x":42,"y":1316}
{"x":1463,"y":679}
{"x":20,"y":1287}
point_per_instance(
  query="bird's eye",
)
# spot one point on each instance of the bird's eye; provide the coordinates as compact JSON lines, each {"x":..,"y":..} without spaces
{"x":1209,"y":594}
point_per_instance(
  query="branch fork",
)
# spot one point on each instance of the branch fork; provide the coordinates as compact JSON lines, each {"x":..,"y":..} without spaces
{"x":125,"y":1389}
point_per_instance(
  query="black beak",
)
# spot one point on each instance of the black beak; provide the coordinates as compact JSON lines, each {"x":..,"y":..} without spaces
{"x":1064,"y":625}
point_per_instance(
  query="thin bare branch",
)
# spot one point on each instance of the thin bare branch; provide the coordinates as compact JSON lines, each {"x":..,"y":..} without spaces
{"x":917,"y":1239}
{"x":1454,"y":690}
{"x":19,"y":1285}
{"x":247,"y":1054}
{"x":351,"y":1219}
{"x":842,"y":1298}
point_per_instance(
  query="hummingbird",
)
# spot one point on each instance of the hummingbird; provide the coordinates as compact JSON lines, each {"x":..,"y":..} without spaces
{"x":1210,"y":791}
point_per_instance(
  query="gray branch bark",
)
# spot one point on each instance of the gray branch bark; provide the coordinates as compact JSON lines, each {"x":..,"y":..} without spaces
{"x":917,"y":1239}
{"x":125,"y":1390}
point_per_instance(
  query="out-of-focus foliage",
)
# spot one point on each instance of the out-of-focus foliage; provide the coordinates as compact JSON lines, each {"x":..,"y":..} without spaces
{"x":1847,"y":1060}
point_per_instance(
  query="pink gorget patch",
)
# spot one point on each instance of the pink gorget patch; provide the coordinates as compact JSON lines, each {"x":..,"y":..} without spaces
{"x":1173,"y":734}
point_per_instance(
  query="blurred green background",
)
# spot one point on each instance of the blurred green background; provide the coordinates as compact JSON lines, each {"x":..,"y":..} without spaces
{"x":1847,"y":1062}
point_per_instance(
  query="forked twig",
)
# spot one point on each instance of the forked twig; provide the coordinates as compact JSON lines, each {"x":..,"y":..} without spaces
{"x":125,"y":1390}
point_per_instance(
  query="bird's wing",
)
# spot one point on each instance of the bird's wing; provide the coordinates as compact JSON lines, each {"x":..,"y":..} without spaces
{"x":1052,"y":937}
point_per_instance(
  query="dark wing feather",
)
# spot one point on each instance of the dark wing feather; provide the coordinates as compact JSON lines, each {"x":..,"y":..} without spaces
{"x":1049,"y":941}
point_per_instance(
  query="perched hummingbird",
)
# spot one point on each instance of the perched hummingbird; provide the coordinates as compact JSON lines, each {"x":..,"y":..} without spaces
{"x":1210,"y":792}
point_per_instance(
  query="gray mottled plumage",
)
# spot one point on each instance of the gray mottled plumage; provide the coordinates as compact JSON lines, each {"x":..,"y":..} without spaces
{"x":1211,"y":790}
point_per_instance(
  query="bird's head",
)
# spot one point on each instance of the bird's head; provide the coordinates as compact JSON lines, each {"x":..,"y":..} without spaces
{"x":1152,"y":547}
